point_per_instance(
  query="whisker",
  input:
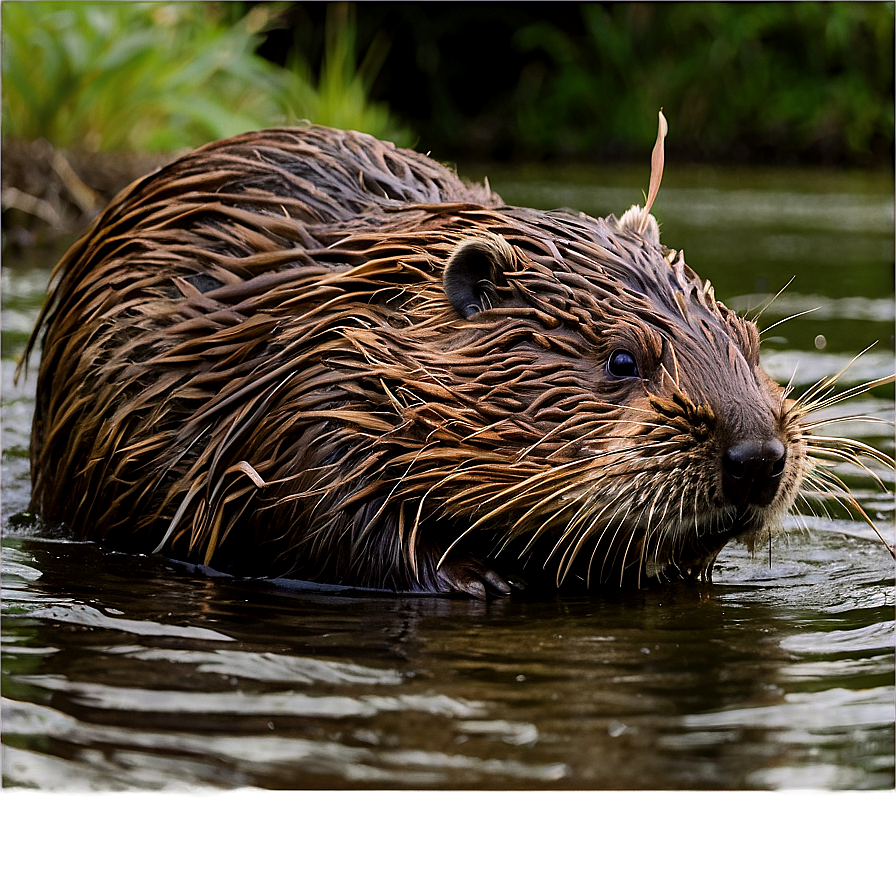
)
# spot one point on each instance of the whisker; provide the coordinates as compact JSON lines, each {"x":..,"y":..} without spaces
{"x":788,"y":388}
{"x":837,"y":490}
{"x":784,"y":320}
{"x":849,"y":451}
{"x":772,"y":301}
{"x":810,"y":425}
{"x":582,"y":520}
{"x":826,"y":383}
{"x":804,"y":407}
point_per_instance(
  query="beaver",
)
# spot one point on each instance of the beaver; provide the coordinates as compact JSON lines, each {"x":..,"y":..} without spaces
{"x":303,"y":352}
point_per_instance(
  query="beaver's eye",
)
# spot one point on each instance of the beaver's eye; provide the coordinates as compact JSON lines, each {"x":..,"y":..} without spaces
{"x":622,"y":364}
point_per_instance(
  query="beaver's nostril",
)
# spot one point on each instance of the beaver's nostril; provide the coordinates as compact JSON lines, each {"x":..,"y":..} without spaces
{"x":779,"y":465}
{"x":751,"y":470}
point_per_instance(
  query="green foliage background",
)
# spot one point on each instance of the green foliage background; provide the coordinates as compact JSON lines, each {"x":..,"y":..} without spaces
{"x":115,"y":76}
{"x":736,"y":78}
{"x":157,"y":77}
{"x":767,"y":82}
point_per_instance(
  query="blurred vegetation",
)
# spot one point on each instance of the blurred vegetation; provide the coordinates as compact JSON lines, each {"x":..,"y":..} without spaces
{"x":157,"y":77}
{"x":340,"y":94}
{"x":767,"y":82}
{"x":806,"y":82}
{"x":114,"y":76}
{"x":743,"y":80}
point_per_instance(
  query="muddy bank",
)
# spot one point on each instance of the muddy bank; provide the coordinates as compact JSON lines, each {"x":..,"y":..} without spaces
{"x":50,"y":193}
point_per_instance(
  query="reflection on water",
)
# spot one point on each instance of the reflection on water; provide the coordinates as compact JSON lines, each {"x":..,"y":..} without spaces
{"x":131,"y":673}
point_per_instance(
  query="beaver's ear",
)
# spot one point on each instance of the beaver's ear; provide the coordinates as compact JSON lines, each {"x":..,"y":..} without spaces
{"x":474,"y":271}
{"x":638,"y":220}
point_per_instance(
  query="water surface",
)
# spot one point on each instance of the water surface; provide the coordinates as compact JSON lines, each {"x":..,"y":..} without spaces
{"x":124,"y":672}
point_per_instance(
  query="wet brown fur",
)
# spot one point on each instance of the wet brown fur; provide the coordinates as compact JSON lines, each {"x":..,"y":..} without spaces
{"x":250,"y":361}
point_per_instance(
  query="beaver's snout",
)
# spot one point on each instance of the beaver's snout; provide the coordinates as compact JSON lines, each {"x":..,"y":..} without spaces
{"x":752,"y":471}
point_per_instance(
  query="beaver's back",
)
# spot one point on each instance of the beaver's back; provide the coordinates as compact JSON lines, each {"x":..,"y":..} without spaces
{"x":213,"y":197}
{"x":330,"y":174}
{"x":180,"y":257}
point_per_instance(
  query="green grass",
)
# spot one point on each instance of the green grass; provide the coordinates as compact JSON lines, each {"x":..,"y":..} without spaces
{"x":157,"y":77}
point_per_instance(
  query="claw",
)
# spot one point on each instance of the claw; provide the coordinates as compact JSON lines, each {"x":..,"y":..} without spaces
{"x":497,"y":583}
{"x":471,"y":577}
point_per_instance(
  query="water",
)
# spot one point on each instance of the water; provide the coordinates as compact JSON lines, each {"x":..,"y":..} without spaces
{"x":130,"y":673}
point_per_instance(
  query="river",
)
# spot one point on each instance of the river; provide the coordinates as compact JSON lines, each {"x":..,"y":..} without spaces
{"x":128,"y":673}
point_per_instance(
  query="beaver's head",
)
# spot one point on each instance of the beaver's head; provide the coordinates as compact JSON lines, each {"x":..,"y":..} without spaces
{"x":671,"y":437}
{"x":568,"y":399}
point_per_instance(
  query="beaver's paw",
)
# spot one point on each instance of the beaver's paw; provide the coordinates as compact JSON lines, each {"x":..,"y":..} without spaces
{"x":471,"y":577}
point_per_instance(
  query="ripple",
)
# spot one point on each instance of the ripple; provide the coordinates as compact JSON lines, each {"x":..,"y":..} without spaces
{"x":286,"y":703}
{"x":879,"y":636}
{"x":25,"y":768}
{"x":81,"y":614}
{"x":267,"y":666}
{"x":20,"y":570}
{"x":817,"y":776}
{"x":135,"y":759}
{"x":438,"y":762}
{"x":832,"y":708}
{"x":831,"y":670}
{"x":515,"y":733}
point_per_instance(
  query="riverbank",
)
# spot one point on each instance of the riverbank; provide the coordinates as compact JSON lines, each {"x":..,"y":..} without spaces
{"x":50,"y":193}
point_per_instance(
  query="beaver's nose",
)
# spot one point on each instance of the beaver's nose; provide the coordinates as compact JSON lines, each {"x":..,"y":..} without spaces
{"x":751,"y":471}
